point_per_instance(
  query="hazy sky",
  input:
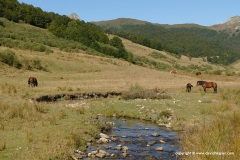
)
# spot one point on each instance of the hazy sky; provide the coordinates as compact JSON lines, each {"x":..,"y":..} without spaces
{"x":203,"y":12}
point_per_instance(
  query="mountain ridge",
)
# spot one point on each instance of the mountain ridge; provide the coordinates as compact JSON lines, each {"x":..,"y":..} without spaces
{"x":218,"y":43}
{"x":233,"y":23}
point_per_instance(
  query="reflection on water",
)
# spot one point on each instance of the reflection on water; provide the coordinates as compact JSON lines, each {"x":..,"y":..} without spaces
{"x":138,"y":137}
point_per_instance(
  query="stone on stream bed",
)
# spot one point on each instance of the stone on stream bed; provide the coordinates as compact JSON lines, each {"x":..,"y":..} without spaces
{"x":155,"y":135}
{"x":134,"y":139}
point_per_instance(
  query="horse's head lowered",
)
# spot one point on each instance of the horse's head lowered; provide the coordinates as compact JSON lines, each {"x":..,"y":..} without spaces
{"x":32,"y":81}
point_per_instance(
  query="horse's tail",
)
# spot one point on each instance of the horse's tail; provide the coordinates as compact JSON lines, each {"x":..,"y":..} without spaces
{"x":215,"y":88}
{"x":36,"y":83}
{"x":29,"y":80}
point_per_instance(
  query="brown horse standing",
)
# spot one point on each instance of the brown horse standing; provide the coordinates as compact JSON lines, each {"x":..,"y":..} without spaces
{"x":32,"y":81}
{"x":198,"y":73}
{"x":189,"y":87}
{"x":208,"y":85}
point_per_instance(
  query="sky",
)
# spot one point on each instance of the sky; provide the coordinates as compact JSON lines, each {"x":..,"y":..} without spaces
{"x":202,"y":12}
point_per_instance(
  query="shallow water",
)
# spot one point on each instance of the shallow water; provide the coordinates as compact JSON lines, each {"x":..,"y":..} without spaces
{"x":136,"y":134}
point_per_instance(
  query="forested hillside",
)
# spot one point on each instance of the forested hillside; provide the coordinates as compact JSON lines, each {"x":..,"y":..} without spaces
{"x":191,"y":40}
{"x":87,"y":34}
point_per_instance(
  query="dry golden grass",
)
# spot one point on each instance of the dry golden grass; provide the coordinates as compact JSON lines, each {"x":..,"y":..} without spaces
{"x":38,"y":127}
{"x":85,"y":73}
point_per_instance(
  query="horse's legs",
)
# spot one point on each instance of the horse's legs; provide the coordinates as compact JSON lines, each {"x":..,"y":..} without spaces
{"x":188,"y":89}
{"x":204,"y":89}
{"x":215,"y":89}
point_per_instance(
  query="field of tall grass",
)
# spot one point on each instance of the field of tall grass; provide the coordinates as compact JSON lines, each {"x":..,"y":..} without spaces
{"x":217,"y":138}
{"x":44,"y":131}
{"x":207,"y":122}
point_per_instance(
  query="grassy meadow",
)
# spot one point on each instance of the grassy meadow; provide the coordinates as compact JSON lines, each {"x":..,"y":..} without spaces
{"x":207,"y":122}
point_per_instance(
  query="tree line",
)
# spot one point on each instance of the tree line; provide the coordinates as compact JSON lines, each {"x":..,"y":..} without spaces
{"x":218,"y":46}
{"x":62,"y":26}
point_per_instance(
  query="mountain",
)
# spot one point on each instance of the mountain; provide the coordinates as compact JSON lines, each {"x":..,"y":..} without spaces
{"x":188,"y":39}
{"x":217,"y":44}
{"x":117,"y":23}
{"x":232,"y":25}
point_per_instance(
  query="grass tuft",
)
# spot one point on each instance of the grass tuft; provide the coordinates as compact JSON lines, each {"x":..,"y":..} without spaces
{"x":138,"y":92}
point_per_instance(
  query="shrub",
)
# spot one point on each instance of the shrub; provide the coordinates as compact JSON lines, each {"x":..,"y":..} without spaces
{"x":10,"y":58}
{"x":165,"y":113}
{"x":37,"y":64}
{"x":31,"y":64}
{"x":138,"y":92}
{"x":158,"y":55}
{"x":217,"y":72}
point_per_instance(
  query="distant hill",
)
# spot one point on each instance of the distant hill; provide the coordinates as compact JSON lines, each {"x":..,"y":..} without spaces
{"x":216,"y":43}
{"x":31,"y":41}
{"x":118,"y":23}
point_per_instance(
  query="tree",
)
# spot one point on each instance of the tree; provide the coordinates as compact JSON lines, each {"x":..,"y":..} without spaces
{"x":116,"y":42}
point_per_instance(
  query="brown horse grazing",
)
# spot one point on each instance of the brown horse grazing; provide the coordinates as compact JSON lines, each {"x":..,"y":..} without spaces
{"x":32,"y":81}
{"x":189,"y":87}
{"x":208,"y":85}
{"x":198,"y":73}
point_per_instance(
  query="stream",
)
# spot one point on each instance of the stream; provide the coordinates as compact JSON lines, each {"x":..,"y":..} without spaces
{"x":135,"y":139}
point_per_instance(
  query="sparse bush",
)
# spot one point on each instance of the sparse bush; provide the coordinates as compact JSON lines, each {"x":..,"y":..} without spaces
{"x":37,"y":64}
{"x":10,"y":58}
{"x":77,"y":140}
{"x":158,"y":55}
{"x":110,"y":111}
{"x":217,"y":72}
{"x":31,"y":64}
{"x":143,"y":61}
{"x":165,"y":113}
{"x":138,"y":92}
